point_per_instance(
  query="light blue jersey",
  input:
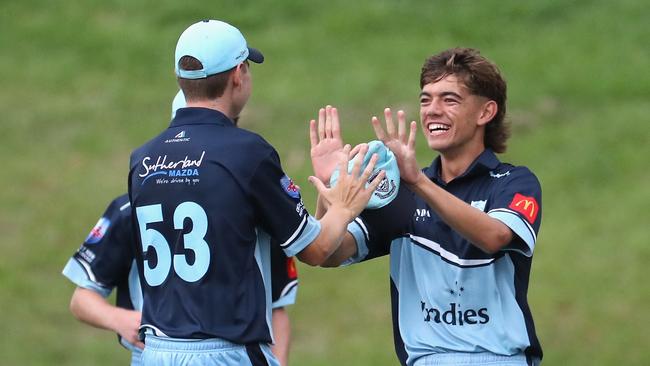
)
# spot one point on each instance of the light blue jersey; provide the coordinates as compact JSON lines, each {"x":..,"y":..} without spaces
{"x":448,"y":296}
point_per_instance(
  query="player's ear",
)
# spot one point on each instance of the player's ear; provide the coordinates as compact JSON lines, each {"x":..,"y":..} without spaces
{"x":235,"y":76}
{"x":487,"y":112}
{"x":238,"y":72}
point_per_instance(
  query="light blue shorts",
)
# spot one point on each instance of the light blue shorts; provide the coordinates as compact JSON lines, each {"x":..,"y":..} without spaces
{"x":136,"y":357}
{"x":159,"y":351}
{"x":473,"y":359}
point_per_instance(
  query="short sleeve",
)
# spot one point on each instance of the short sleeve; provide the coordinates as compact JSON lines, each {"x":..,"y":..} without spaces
{"x":517,"y":203}
{"x":105,"y":257}
{"x":280,"y":209}
{"x":374,"y":230}
{"x":284,"y":279}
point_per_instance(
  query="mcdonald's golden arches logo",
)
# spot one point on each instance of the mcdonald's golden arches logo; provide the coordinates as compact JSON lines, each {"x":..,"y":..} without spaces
{"x":527,"y":206}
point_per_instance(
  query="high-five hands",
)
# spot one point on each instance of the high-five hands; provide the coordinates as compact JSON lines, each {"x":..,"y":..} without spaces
{"x":397,"y":142}
{"x":326,"y":143}
{"x":350,"y":195}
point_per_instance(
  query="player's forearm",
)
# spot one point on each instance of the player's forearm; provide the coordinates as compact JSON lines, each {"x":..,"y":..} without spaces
{"x":487,"y":233}
{"x":333,"y":229}
{"x":347,"y":249}
{"x":281,"y":334}
{"x":91,"y":308}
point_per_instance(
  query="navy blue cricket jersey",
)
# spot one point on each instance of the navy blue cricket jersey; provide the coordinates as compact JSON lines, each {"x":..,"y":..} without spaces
{"x":447,"y":294}
{"x":105,"y":259}
{"x":208,"y":201}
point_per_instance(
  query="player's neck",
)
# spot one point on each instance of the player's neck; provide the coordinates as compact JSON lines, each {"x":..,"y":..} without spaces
{"x":455,"y":163}
{"x":220,"y":105}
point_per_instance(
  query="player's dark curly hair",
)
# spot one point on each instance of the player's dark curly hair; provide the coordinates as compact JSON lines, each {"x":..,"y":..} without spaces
{"x":481,"y":77}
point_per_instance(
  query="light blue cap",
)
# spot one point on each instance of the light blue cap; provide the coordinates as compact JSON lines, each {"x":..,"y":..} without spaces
{"x":217,"y":45}
{"x":178,"y":102}
{"x":387,"y":189}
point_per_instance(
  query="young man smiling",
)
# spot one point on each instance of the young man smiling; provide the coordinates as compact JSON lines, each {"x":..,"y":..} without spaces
{"x":460,"y":269}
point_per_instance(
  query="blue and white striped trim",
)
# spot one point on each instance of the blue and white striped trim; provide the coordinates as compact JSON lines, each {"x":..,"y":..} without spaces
{"x":80,"y":273}
{"x":304,"y":235}
{"x":517,"y":224}
{"x":125,"y":206}
{"x":287,"y":296}
{"x":449,"y":256}
{"x":360,"y":233}
{"x":296,"y":233}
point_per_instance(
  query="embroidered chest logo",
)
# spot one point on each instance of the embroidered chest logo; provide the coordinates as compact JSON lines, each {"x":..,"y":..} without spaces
{"x":496,"y":175}
{"x":525,"y":205}
{"x":479,"y":204}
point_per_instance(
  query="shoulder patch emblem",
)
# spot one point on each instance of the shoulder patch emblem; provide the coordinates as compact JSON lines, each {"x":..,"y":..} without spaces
{"x":98,"y":232}
{"x":527,"y":206}
{"x":289,"y":187}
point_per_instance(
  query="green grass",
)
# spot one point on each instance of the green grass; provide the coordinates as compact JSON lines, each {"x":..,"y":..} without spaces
{"x":84,"y":82}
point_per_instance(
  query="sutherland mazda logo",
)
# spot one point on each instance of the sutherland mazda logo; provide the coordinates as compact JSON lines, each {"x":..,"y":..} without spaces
{"x":185,"y":167}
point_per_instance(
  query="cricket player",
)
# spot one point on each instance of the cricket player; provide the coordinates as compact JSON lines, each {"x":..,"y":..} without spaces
{"x":209,"y":200}
{"x":105,"y":261}
{"x":460,"y":269}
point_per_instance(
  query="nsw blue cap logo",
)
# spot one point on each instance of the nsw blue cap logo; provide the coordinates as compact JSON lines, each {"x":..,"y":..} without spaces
{"x":97,"y":233}
{"x":288,"y":186}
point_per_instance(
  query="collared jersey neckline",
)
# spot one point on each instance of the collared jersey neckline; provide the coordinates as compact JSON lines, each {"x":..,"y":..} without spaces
{"x":485,"y":162}
{"x":199,"y":116}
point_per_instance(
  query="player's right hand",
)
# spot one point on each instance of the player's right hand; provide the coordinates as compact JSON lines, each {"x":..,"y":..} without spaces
{"x":326,"y":143}
{"x":127,"y":325}
{"x":402,"y":147}
{"x":350,"y":195}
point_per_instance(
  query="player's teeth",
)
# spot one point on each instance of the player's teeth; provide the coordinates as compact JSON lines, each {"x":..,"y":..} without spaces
{"x":437,"y":126}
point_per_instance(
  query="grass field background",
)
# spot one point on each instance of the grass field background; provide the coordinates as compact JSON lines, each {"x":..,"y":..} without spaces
{"x":84,"y":82}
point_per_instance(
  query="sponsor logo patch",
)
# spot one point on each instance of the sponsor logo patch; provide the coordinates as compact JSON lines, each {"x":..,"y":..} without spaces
{"x":289,"y":187}
{"x":292,"y":272}
{"x":421,"y":214}
{"x":527,"y":206}
{"x":97,"y":233}
{"x":185,"y":171}
{"x":455,"y":313}
{"x":86,"y":254}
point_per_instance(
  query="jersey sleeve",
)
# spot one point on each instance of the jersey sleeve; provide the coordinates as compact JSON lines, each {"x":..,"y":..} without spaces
{"x":284,"y":279}
{"x":374,"y":230}
{"x":280,"y":209}
{"x":104,"y":259}
{"x":517,"y":204}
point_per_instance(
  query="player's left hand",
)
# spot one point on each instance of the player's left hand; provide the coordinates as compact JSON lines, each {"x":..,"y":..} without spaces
{"x":326,"y":143}
{"x":396,"y":141}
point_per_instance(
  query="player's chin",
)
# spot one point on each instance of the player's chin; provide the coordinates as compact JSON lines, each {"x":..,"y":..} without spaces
{"x":437,"y":143}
